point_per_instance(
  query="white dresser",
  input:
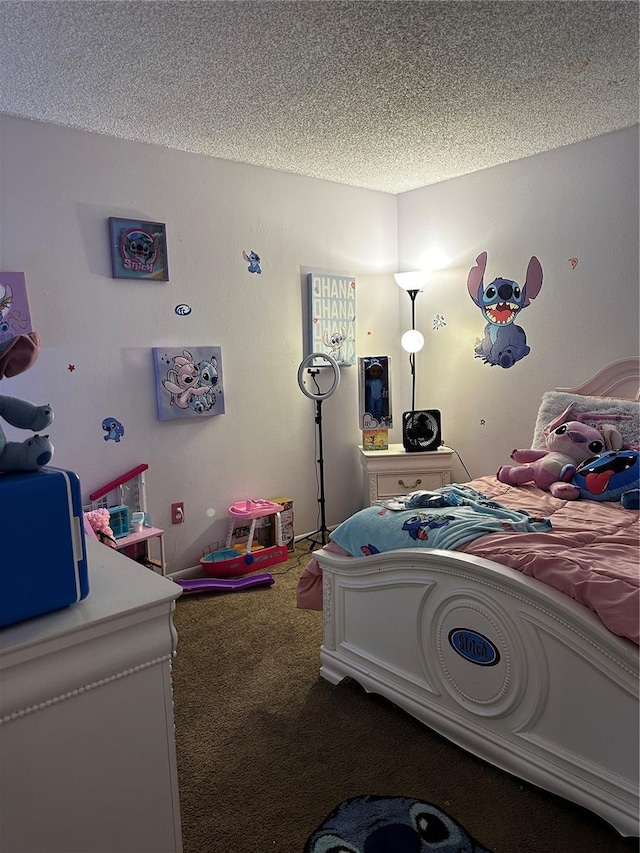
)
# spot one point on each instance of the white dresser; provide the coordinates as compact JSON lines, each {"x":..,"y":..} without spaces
{"x":87,"y":746}
{"x":393,"y":472}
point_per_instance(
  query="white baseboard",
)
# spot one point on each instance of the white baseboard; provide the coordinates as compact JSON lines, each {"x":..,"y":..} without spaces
{"x":182,"y":574}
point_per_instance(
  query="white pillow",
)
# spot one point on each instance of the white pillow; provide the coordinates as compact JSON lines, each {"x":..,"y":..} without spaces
{"x":555,"y":402}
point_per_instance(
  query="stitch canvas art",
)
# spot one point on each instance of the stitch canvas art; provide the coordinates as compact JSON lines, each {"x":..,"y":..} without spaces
{"x":188,"y":382}
{"x":138,"y":249}
{"x":15,"y":317}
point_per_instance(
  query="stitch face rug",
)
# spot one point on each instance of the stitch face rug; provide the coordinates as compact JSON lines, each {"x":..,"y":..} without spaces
{"x":373,"y":824}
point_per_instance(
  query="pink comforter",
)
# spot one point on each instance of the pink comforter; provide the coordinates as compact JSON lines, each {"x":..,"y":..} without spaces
{"x":591,"y":553}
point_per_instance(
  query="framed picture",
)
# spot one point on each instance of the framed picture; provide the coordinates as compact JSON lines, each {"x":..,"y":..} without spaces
{"x":138,"y":249}
{"x":15,"y":317}
{"x":374,"y":392}
{"x":332,"y":316}
{"x":189,"y":382}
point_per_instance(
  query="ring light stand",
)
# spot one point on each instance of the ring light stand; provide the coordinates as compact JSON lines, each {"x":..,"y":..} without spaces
{"x":312,"y":368}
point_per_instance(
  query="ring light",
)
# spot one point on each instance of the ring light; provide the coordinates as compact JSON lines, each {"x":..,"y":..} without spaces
{"x":310,"y":362}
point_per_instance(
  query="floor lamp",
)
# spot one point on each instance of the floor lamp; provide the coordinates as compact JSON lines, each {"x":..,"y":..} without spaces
{"x":412,"y":341}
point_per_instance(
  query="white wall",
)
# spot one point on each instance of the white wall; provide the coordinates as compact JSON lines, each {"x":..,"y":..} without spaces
{"x":57,"y":188}
{"x":580,"y":201}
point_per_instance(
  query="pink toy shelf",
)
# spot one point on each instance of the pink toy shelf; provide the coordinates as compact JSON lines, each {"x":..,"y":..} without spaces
{"x":231,"y":562}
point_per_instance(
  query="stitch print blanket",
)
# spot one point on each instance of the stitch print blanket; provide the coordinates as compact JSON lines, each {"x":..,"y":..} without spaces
{"x":590,"y":551}
{"x":446,"y":518}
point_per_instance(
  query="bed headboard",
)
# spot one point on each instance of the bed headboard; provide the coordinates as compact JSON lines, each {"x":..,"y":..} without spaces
{"x":614,"y":389}
{"x":619,"y":379}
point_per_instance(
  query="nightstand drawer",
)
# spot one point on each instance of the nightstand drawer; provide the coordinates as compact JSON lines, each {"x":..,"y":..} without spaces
{"x":393,"y":472}
{"x":390,"y":485}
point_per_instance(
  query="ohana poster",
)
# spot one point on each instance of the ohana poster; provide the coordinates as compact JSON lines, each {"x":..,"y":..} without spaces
{"x":332,"y":316}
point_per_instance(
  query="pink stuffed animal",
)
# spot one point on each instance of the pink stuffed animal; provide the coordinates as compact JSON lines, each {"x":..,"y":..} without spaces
{"x":100,"y":522}
{"x":568,"y":444}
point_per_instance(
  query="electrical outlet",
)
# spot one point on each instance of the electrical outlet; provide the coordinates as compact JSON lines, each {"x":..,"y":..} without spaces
{"x":177,"y":513}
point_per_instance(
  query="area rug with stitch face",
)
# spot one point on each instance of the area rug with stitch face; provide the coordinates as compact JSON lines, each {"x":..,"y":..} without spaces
{"x":378,"y":824}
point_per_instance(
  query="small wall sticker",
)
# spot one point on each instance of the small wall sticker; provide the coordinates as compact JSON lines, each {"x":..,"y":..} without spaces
{"x":113,"y":429}
{"x":253,"y":259}
{"x":573,"y":262}
{"x":439,"y":322}
{"x":183,"y":310}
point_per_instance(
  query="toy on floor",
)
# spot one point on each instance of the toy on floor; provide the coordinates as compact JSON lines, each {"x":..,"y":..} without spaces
{"x":192,"y":585}
{"x":231,"y":562}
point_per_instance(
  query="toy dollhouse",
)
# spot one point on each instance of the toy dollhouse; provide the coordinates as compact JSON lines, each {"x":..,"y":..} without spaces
{"x":126,"y":500}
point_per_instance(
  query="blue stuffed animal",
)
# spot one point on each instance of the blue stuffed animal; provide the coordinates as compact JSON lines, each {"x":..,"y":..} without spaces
{"x":34,"y":452}
{"x":611,"y":476}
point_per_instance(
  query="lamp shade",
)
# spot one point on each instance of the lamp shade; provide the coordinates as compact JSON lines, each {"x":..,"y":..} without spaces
{"x":414,"y":280}
{"x":412,"y":341}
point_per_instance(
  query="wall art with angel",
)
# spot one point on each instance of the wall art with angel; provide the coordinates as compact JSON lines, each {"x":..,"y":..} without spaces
{"x":188,"y":382}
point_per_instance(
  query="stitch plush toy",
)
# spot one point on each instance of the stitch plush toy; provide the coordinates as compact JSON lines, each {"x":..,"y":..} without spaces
{"x":569,"y":442}
{"x":33,"y":452}
{"x":611,"y":476}
{"x":16,"y":356}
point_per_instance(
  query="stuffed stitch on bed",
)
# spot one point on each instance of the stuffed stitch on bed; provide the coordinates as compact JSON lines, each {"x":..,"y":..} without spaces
{"x":568,"y":442}
{"x":612,"y":476}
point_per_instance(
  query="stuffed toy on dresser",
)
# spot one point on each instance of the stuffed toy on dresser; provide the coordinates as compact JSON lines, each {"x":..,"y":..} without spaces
{"x":16,"y":356}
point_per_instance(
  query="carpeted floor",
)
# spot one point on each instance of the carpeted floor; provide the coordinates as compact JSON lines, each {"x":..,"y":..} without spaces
{"x":266,"y":748}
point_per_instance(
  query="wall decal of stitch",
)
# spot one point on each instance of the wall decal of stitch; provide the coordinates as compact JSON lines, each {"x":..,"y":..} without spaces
{"x":573,"y":262}
{"x":253,"y":259}
{"x":113,"y":429}
{"x":500,"y":302}
{"x":439,"y":322}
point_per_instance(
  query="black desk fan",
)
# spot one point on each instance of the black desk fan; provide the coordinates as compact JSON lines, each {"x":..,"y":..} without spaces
{"x":318,"y":389}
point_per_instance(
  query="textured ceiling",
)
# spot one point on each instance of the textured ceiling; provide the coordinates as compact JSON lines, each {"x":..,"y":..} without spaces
{"x":386,"y":95}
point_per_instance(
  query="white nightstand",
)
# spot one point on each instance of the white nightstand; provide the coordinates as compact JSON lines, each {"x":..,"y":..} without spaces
{"x":393,"y":472}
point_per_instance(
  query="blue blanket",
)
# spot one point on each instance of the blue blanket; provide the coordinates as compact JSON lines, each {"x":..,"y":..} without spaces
{"x":445,"y":518}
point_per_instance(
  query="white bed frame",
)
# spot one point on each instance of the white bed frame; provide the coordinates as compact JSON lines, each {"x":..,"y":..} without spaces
{"x":559,"y":708}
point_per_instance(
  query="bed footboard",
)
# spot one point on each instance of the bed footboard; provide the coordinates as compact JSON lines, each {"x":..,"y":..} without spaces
{"x":502,"y":665}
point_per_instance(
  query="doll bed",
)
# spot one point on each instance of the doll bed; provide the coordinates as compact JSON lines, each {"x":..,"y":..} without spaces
{"x":502,"y":664}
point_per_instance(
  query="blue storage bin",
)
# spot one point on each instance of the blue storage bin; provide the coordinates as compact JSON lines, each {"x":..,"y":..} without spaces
{"x":44,"y":558}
